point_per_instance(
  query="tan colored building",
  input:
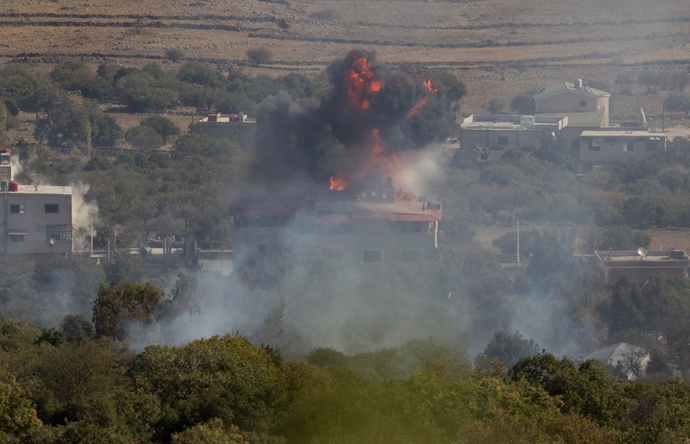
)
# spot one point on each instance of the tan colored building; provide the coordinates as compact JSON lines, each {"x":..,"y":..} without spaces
{"x":370,"y":228}
{"x":616,"y":264}
{"x":585,"y":107}
{"x":235,"y":127}
{"x":507,"y":131}
{"x":607,"y":149}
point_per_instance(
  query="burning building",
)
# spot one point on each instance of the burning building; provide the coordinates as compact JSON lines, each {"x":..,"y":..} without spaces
{"x":36,"y":219}
{"x":340,"y":159}
{"x":370,"y":226}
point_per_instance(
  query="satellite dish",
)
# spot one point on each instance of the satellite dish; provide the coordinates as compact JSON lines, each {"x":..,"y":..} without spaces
{"x":52,"y":241}
{"x":642,"y":252}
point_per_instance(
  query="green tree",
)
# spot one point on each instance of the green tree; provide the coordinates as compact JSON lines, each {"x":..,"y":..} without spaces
{"x":164,"y":127}
{"x":71,"y":76}
{"x":523,"y":103}
{"x":144,"y":138}
{"x":76,"y":328}
{"x":3,"y":126}
{"x":623,"y":238}
{"x":120,"y":302}
{"x":201,"y":73}
{"x":259,"y":56}
{"x":451,"y":86}
{"x":508,"y":349}
{"x":649,"y":79}
{"x":213,"y":432}
{"x":220,"y":377}
{"x":496,"y":106}
{"x":678,"y":102}
{"x":174,"y":55}
{"x":17,"y":413}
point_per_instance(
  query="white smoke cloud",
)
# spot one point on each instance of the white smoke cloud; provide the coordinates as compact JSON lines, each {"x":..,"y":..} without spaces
{"x":84,"y":216}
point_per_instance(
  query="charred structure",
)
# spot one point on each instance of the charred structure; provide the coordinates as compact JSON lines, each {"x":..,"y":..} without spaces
{"x":365,"y":227}
{"x":339,"y":159}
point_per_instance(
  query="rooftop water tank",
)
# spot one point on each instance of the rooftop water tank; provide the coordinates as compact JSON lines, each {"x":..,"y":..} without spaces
{"x":14,"y":186}
{"x":578,"y":83}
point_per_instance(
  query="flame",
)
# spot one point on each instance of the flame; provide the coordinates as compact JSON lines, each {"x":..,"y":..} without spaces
{"x":361,"y":84}
{"x":361,"y":88}
{"x":339,"y":183}
{"x":431,"y":86}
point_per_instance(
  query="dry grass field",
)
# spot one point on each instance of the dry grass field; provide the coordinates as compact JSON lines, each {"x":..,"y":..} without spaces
{"x":497,"y":47}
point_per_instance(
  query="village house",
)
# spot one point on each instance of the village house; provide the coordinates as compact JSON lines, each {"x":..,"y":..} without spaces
{"x":607,"y":149}
{"x":585,"y":107}
{"x":508,"y":131}
{"x":234,"y":127}
{"x":37,"y":219}
{"x":366,"y":228}
{"x":615,"y":264}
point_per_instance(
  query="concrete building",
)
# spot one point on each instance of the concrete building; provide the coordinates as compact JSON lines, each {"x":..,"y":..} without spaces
{"x":235,"y":127}
{"x":629,"y":359}
{"x":367,"y":229}
{"x":607,"y":149}
{"x":36,"y":219}
{"x":615,"y":264}
{"x":585,"y":107}
{"x":508,"y":131}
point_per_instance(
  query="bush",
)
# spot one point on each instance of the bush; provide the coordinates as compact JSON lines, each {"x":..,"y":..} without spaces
{"x":164,"y":127}
{"x":260,"y":55}
{"x":523,"y":103}
{"x":496,"y":106}
{"x":144,"y":138}
{"x":173,"y":55}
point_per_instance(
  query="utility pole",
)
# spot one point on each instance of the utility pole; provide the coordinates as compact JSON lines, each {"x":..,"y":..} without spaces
{"x":518,"y":245}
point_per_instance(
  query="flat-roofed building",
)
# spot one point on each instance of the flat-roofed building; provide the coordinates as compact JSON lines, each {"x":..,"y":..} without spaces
{"x":36,"y":219}
{"x":234,"y":127}
{"x":616,"y":264}
{"x":606,"y":149}
{"x":508,"y":131}
{"x":368,"y":227}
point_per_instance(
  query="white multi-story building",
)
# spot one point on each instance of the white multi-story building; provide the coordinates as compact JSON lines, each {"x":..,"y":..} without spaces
{"x":35,"y":219}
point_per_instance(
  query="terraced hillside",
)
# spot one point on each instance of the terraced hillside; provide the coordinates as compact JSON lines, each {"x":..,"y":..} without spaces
{"x":496,"y":46}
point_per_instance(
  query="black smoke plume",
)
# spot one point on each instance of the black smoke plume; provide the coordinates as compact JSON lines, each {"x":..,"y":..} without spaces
{"x":372,"y":112}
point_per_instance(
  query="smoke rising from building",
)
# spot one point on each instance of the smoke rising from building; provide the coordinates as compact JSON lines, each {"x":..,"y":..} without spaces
{"x":372,"y":116}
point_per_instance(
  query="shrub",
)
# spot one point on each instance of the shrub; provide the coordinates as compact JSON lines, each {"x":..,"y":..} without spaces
{"x":260,"y":55}
{"x":164,"y":127}
{"x":144,"y":138}
{"x":173,"y":55}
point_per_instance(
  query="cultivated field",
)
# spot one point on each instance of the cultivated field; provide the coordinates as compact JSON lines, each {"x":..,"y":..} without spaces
{"x":497,"y":47}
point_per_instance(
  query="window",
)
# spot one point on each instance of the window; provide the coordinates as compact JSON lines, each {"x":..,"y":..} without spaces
{"x":406,"y":227}
{"x":17,"y":208}
{"x":411,"y":256}
{"x":59,"y":232}
{"x":52,"y":208}
{"x":629,"y":146}
{"x":17,"y":237}
{"x":595,"y":145}
{"x":503,"y":141}
{"x":371,"y":256}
